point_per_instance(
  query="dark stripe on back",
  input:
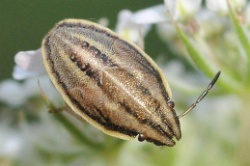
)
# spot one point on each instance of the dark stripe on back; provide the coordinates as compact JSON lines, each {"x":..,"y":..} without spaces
{"x":96,"y":53}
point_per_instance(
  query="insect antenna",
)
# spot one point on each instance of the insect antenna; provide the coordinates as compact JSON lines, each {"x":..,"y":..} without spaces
{"x":203,"y":94}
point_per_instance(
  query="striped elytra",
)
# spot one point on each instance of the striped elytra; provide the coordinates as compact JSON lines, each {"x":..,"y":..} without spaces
{"x":111,"y":83}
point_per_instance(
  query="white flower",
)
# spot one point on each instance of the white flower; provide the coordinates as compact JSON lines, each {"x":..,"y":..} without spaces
{"x":128,"y":28}
{"x":151,"y":15}
{"x":179,"y":9}
{"x":207,"y":19}
{"x":15,"y":93}
{"x":220,"y":6}
{"x":11,"y":93}
{"x":28,"y":64}
{"x":184,"y":8}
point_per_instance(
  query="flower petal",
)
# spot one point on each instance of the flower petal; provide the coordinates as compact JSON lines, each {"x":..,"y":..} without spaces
{"x":172,"y":7}
{"x":220,"y":7}
{"x":128,"y":28}
{"x":183,"y":9}
{"x":11,"y":93}
{"x":151,"y":15}
{"x":15,"y":93}
{"x":28,"y":64}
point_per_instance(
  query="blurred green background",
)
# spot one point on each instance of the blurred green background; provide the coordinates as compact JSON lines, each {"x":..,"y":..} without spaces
{"x":24,"y":23}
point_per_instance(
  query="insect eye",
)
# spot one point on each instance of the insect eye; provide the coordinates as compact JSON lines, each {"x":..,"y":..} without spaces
{"x":171,"y":104}
{"x":141,"y":137}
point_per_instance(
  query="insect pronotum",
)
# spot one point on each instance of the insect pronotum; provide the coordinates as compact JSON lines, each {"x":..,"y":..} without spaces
{"x":111,"y":83}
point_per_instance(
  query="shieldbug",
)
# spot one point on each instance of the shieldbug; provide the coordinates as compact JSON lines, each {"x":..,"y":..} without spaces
{"x":112,"y":83}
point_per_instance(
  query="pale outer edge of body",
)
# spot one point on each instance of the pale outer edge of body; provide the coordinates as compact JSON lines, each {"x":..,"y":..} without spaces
{"x":65,"y":97}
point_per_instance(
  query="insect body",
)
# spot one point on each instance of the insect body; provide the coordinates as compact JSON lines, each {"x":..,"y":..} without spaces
{"x":111,"y":83}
